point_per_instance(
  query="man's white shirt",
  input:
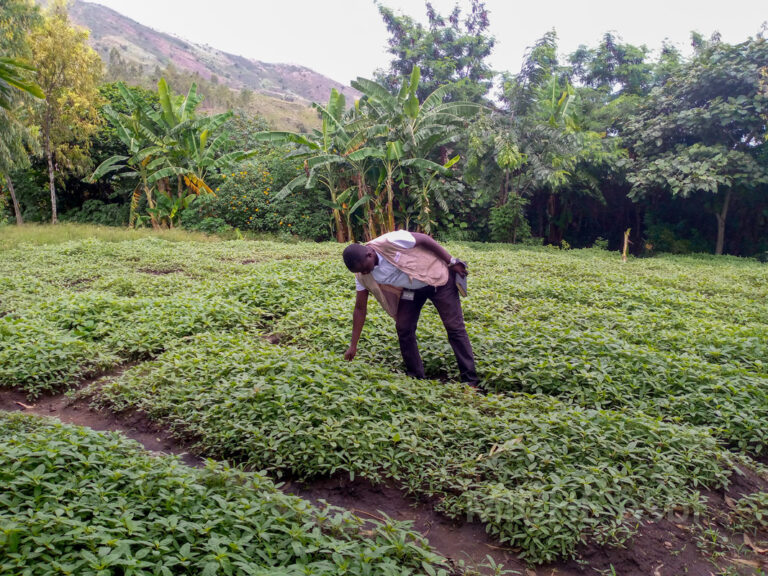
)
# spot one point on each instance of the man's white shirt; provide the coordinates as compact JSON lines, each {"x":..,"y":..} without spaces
{"x":385,"y":272}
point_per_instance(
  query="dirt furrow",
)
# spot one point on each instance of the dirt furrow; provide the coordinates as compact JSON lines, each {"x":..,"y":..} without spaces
{"x":663,"y":547}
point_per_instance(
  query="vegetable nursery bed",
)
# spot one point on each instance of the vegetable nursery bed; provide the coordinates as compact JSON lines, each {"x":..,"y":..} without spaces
{"x":619,"y":393}
{"x":668,"y":546}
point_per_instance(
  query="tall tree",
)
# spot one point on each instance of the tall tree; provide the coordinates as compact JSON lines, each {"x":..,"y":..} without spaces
{"x":68,"y":71}
{"x":613,"y":67}
{"x":16,"y":140}
{"x":449,"y":50}
{"x":703,"y":131}
{"x":542,"y":148}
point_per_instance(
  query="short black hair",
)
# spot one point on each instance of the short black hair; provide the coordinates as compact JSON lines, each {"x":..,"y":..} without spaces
{"x":353,"y":255}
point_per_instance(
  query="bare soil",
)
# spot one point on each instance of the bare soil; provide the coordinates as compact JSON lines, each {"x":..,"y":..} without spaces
{"x":160,"y":272}
{"x":133,"y":424}
{"x":671,"y":546}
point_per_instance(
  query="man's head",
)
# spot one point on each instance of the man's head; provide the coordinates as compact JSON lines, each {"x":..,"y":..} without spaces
{"x":359,"y":258}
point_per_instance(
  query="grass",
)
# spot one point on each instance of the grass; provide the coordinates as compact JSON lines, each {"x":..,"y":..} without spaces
{"x":620,"y":386}
{"x":39,"y":234}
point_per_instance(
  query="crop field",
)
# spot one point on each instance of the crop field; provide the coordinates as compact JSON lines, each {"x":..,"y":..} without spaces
{"x":617,"y":392}
{"x":77,"y":502}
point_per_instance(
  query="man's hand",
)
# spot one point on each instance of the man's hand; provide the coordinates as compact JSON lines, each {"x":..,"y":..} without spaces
{"x":428,"y":242}
{"x":460,"y":268}
{"x":350,"y":354}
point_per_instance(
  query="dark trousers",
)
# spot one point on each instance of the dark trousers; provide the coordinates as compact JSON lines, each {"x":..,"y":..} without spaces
{"x":446,"y":300}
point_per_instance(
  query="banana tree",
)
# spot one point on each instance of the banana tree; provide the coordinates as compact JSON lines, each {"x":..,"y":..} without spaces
{"x":167,"y":211}
{"x":404,"y":133}
{"x":380,"y":146}
{"x":321,"y":157}
{"x":167,"y":146}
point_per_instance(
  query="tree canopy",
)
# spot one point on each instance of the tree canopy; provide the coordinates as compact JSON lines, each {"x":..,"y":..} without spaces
{"x":611,"y":141}
{"x":704,"y":129}
{"x":449,"y":50}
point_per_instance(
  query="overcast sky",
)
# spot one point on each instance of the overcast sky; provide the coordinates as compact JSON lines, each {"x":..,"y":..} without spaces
{"x":343,"y":39}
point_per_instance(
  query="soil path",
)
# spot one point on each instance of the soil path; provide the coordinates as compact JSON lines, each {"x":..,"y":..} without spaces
{"x":665,"y":547}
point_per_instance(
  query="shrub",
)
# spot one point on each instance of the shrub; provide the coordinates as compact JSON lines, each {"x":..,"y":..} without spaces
{"x":508,"y":222}
{"x":99,"y":212}
{"x":600,"y":243}
{"x":245,"y":200}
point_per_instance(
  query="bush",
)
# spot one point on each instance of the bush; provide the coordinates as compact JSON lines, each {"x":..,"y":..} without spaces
{"x":508,"y":222}
{"x":675,"y":239}
{"x":245,"y":200}
{"x":600,"y":243}
{"x":195,"y":220}
{"x":99,"y":212}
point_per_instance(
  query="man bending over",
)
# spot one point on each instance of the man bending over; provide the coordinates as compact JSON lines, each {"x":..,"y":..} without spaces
{"x":403,"y":270}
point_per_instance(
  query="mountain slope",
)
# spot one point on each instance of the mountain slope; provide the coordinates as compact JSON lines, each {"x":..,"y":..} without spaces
{"x":294,"y":87}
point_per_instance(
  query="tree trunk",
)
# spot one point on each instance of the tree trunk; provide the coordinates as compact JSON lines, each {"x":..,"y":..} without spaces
{"x":340,"y":236}
{"x":390,"y":206}
{"x":151,"y":204}
{"x":554,"y":234}
{"x":721,"y":223}
{"x":16,"y":207}
{"x":504,"y":188}
{"x":369,"y":230}
{"x":49,"y":154}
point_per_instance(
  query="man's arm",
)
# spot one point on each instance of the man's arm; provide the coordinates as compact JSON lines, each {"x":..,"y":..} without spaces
{"x":358,"y":321}
{"x":429,"y":243}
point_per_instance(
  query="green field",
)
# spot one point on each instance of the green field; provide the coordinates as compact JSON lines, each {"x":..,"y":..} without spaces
{"x":618,"y":390}
{"x":77,"y":502}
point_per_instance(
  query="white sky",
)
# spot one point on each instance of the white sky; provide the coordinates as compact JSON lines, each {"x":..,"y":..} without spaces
{"x":343,"y":39}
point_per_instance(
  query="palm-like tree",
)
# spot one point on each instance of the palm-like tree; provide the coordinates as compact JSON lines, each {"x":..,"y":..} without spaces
{"x":403,"y":133}
{"x":320,"y":153}
{"x":167,"y":148}
{"x":370,"y":156}
{"x":12,"y":79}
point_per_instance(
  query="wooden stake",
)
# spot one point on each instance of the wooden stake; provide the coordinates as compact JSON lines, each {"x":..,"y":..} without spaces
{"x":626,"y":245}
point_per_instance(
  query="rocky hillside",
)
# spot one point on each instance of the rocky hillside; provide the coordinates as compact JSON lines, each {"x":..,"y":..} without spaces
{"x":277,"y":86}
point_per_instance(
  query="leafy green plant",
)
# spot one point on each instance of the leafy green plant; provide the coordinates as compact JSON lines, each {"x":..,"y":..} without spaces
{"x":751,"y":512}
{"x":611,"y":375}
{"x":542,"y":475}
{"x":77,"y":501}
{"x":170,"y":151}
{"x":38,"y":357}
{"x":508,"y":222}
{"x":246,"y":200}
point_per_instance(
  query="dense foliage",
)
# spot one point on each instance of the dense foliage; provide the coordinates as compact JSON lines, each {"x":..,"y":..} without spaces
{"x":542,"y":475}
{"x":569,"y":151}
{"x":80,"y":502}
{"x":612,"y":375}
{"x":703,"y":131}
{"x":245,"y":200}
{"x":449,"y":50}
